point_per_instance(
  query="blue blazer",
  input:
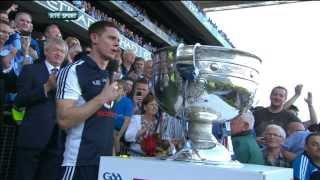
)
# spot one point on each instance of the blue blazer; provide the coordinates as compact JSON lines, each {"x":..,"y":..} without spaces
{"x":38,"y":128}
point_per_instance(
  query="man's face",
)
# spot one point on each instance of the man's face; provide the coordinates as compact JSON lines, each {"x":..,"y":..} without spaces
{"x":23,"y":23}
{"x":4,"y":33}
{"x":143,"y":88}
{"x":273,"y":138}
{"x":107,"y":43}
{"x":148,"y":69}
{"x":139,"y":66}
{"x":54,"y":32}
{"x":55,"y":54}
{"x":278,"y":97}
{"x":313,"y":147}
{"x":129,"y":58}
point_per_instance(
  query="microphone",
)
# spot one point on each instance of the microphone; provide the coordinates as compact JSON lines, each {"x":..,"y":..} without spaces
{"x":112,"y":68}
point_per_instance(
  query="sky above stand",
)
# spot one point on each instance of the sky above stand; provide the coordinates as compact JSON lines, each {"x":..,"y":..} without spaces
{"x":286,"y":38}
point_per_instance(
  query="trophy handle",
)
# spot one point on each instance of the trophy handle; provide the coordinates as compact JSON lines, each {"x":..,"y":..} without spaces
{"x":196,"y":70}
{"x":186,"y":69}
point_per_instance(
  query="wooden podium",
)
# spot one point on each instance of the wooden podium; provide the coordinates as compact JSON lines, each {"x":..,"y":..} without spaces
{"x":136,"y":168}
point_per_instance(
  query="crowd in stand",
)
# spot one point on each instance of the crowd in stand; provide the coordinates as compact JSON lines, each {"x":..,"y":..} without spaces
{"x":143,"y":12}
{"x":98,"y":14}
{"x":200,"y":10}
{"x":72,"y":106}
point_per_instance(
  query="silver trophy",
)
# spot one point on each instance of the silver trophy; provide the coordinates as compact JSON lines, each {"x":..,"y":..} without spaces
{"x":204,"y":85}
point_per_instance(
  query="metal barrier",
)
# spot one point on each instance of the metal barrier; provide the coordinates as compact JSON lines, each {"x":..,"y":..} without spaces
{"x":8,"y":135}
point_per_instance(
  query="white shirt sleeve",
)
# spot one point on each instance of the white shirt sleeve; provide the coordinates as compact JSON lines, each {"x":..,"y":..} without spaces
{"x":68,"y":84}
{"x":133,"y":128}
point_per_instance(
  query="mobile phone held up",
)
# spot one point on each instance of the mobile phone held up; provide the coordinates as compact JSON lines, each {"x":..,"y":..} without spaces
{"x":138,"y":93}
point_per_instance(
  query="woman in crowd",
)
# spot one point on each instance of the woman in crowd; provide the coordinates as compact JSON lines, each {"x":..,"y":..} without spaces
{"x":142,"y":130}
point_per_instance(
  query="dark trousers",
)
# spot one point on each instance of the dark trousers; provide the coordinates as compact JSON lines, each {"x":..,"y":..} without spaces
{"x":34,"y":164}
{"x":79,"y":173}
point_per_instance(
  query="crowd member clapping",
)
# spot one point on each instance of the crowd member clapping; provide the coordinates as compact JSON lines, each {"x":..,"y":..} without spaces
{"x":22,"y":24}
{"x":39,"y":144}
{"x":21,"y":40}
{"x":26,"y":55}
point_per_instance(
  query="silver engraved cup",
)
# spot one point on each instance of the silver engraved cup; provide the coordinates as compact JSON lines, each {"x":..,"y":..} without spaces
{"x":204,"y":84}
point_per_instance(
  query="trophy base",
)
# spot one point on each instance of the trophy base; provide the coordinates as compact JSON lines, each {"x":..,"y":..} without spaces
{"x":217,"y":154}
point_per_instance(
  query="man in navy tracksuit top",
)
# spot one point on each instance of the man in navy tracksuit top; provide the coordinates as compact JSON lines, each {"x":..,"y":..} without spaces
{"x":307,"y":165}
{"x":83,"y":95}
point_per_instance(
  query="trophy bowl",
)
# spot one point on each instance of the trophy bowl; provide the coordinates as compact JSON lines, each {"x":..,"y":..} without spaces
{"x":204,"y":84}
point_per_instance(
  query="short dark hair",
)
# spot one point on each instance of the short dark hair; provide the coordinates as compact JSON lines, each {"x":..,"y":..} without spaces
{"x":99,"y":26}
{"x":311,"y":135}
{"x":149,"y":98}
{"x":138,"y":81}
{"x":138,"y":59}
{"x":141,"y":81}
{"x":280,"y":87}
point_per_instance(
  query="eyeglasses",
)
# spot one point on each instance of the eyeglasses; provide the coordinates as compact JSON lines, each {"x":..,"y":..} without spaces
{"x":271,"y":134}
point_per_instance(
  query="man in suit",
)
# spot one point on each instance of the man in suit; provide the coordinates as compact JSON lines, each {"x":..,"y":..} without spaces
{"x":40,"y":142}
